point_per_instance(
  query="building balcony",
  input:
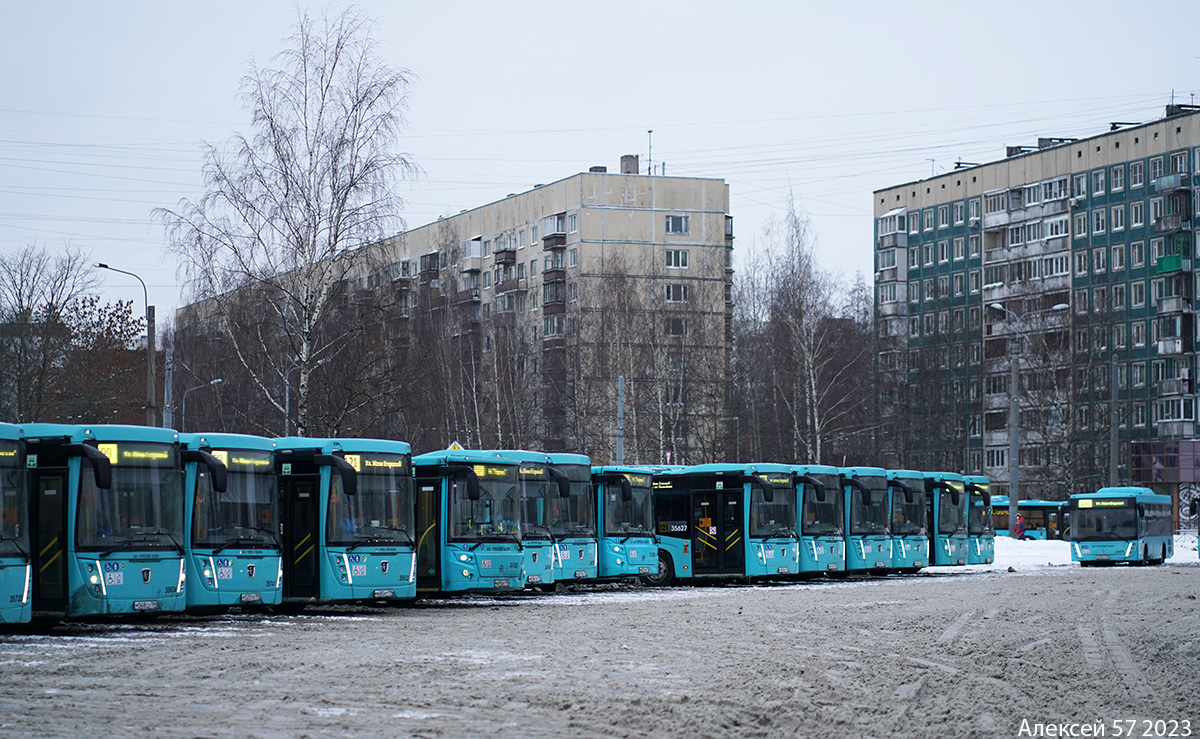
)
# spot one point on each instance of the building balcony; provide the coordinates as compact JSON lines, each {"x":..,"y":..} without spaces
{"x":1176,"y":429}
{"x":1168,"y":388}
{"x":1172,"y":223}
{"x":508,"y":286}
{"x":470,"y":264}
{"x":465,"y":296}
{"x":557,"y":274}
{"x":554,"y":241}
{"x":1173,"y":263}
{"x":505,"y":256}
{"x":892,"y":241}
{"x":504,"y":319}
{"x":995,"y":221}
{"x":1054,"y":207}
{"x":1174,"y":345}
{"x":1174,"y":304}
{"x":554,"y":306}
{"x":1168,"y":183}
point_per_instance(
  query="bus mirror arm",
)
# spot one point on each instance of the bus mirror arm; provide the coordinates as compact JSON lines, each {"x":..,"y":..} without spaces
{"x":101,"y":465}
{"x":909,"y":493}
{"x":564,"y":482}
{"x":342,"y":468}
{"x":987,"y":496}
{"x":1194,"y":508}
{"x":818,"y":486}
{"x":862,"y":487}
{"x":932,"y":486}
{"x":619,"y":479}
{"x":768,"y":490}
{"x":216,"y":468}
{"x":467,"y":471}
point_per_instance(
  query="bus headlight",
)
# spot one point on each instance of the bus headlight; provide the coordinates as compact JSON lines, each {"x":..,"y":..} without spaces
{"x":1129,"y":550}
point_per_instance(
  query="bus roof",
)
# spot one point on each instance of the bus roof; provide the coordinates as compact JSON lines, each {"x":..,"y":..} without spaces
{"x":1142,"y":494}
{"x":9,"y":431}
{"x":977,"y":479}
{"x":864,"y":471}
{"x":905,"y":475}
{"x":228,"y":441}
{"x":569,"y":458}
{"x":632,"y":469}
{"x":468,"y":456}
{"x":100,"y":432}
{"x":329,"y":446}
{"x":815,"y":469}
{"x":943,"y":476}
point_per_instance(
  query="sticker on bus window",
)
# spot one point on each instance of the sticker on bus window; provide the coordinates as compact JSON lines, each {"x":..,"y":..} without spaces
{"x":712,"y":530}
{"x":820,"y":549}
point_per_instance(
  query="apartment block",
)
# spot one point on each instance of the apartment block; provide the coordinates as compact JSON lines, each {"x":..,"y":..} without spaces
{"x":1072,"y":258}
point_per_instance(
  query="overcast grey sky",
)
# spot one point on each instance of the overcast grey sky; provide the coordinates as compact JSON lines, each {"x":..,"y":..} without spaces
{"x":104,"y":104}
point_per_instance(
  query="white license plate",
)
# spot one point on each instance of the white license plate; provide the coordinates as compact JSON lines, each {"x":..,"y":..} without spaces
{"x":880,"y":565}
{"x":643,"y":570}
{"x":145,"y":605}
{"x":580,"y":574}
{"x":532,"y":578}
{"x":251,"y":598}
{"x":388,"y":593}
{"x":783,"y":570}
{"x":502,"y":583}
{"x":831,"y":566}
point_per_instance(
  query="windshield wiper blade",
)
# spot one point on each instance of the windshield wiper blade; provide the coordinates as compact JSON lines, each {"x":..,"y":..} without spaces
{"x":116,"y":547}
{"x":230,"y":543}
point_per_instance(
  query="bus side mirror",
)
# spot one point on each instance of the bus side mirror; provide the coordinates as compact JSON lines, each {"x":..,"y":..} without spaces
{"x":216,"y":468}
{"x":909,"y":493}
{"x":1194,"y":508}
{"x":768,"y":490}
{"x":472,"y":482}
{"x":616,"y":478}
{"x":954,"y":497}
{"x":818,"y":486}
{"x":564,"y":482}
{"x":987,"y":497}
{"x":343,"y":470}
{"x":862,"y":488}
{"x":101,"y":466}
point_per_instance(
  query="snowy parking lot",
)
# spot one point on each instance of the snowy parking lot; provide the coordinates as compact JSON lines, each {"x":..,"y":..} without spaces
{"x":952,"y":652}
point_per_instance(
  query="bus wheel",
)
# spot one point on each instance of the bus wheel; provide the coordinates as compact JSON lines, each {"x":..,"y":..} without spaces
{"x":665,"y":574}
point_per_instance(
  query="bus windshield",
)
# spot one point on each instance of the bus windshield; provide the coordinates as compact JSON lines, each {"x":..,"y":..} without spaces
{"x":777,"y":518}
{"x":872,"y":518}
{"x":538,"y":494}
{"x":382,"y":510}
{"x":634,"y":517}
{"x":951,"y":517}
{"x":823,"y":517}
{"x":144,"y":506}
{"x":245,"y":512}
{"x":979,"y":516}
{"x":1105,"y":520}
{"x":493,"y":517}
{"x":14,"y":527}
{"x":909,"y":518}
{"x":575,"y":515}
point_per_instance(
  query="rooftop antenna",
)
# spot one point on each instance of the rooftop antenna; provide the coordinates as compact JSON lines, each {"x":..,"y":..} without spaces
{"x":932,"y":164}
{"x":650,"y":151}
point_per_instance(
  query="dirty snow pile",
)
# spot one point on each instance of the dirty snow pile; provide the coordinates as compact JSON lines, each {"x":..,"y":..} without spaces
{"x":1023,"y":555}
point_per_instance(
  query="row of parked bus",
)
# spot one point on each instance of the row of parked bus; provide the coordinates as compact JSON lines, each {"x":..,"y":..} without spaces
{"x":105,"y":520}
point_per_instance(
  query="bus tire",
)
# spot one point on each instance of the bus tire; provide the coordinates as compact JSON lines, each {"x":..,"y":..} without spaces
{"x":665,"y":575}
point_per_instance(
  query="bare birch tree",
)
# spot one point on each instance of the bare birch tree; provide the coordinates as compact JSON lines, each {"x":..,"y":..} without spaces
{"x":287,"y":208}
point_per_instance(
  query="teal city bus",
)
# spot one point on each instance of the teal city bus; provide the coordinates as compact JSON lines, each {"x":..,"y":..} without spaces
{"x":1123,"y":524}
{"x":1043,"y":519}
{"x":573,"y":521}
{"x":725,"y":521}
{"x":909,"y":504}
{"x":16,"y":572}
{"x":946,"y":519}
{"x":544,"y":501}
{"x":234,"y":556}
{"x":106,"y":504}
{"x":981,"y":536}
{"x":868,"y":515}
{"x":821,"y":523}
{"x":625,"y":510}
{"x":346,"y":517}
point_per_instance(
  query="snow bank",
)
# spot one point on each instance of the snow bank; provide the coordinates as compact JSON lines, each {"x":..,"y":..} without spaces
{"x":1024,"y":555}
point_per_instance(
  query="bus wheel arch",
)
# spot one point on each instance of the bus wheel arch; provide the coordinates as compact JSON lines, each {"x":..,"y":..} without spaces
{"x":666,"y":572}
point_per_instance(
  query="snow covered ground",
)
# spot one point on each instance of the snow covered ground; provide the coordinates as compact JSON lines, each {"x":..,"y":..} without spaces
{"x":1035,"y":553}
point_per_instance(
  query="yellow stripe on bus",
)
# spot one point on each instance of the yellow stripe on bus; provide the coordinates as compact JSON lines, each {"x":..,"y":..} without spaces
{"x":305,"y":554}
{"x":731,"y":545}
{"x":49,"y":561}
{"x":52,"y":543}
{"x":306,"y":538}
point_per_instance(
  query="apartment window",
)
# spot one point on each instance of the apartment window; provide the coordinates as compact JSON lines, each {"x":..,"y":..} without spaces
{"x":973,"y":206}
{"x":573,"y":223}
{"x":1098,"y":182}
{"x":1118,"y":258}
{"x":1118,"y":297}
{"x":676,"y":327}
{"x":887,"y":294}
{"x":1156,"y":168}
{"x":1080,"y":185}
{"x":678,"y":293}
{"x":973,"y":318}
{"x":959,"y":249}
{"x":996,"y":202}
{"x":914,"y":292}
{"x":1156,"y":291}
{"x":1080,"y":225}
{"x":928,"y":218}
{"x":1118,"y":218}
{"x":1137,"y":254}
{"x":677,"y":258}
{"x":959,"y":209}
{"x":1081,"y":300}
{"x":958,"y":284}
{"x":1157,"y":250}
{"x":914,"y":258}
{"x":573,"y":258}
{"x":943,"y":286}
{"x":521,"y":271}
{"x":914,"y":223}
{"x":943,"y":252}
{"x":1119,"y":338}
{"x":943,"y":216}
{"x":1139,"y":371}
{"x":533,"y":239}
{"x":914,"y":326}
{"x":1032,"y":194}
{"x":1100,"y":260}
{"x":1138,"y":298}
{"x":487,"y":280}
{"x":675,"y":224}
{"x":532,"y":268}
{"x":1057,"y":227}
{"x":521,"y":239}
{"x":1137,"y":333}
{"x":973,"y":246}
{"x":1118,"y":178}
{"x":928,"y":250}
{"x":1014,"y":235}
{"x":1081,"y":263}
{"x":1135,"y":174}
{"x":1156,"y":210}
{"x":973,"y":280}
{"x":572,"y":293}
{"x":887,"y":259}
{"x":1137,"y":213}
{"x":927,"y":288}
{"x":552,"y":325}
{"x":1179,"y":162}
{"x":1100,"y":299}
{"x":1099,"y":220}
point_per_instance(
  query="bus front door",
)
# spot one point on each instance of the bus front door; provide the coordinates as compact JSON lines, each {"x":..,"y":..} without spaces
{"x":50,"y":541}
{"x":429,"y":545}
{"x":301,"y":517}
{"x":718,"y":543}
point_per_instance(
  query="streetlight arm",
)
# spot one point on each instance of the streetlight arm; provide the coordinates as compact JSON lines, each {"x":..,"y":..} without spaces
{"x":145,"y":292}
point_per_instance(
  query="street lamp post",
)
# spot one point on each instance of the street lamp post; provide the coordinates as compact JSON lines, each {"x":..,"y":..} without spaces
{"x":1014,"y":425}
{"x":151,"y":416}
{"x":183,"y":403}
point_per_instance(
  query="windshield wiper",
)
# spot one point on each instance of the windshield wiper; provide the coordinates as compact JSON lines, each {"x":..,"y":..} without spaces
{"x":116,"y":547}
{"x":397,"y":529}
{"x":235,"y":541}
